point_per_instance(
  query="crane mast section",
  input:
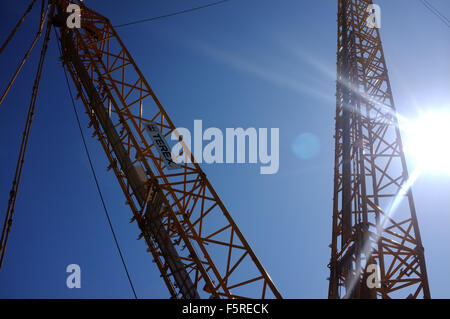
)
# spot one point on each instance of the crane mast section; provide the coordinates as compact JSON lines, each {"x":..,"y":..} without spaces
{"x":195,"y":243}
{"x":374,"y":217}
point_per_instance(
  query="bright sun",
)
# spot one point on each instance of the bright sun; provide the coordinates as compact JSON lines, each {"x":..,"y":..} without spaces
{"x":427,"y":141}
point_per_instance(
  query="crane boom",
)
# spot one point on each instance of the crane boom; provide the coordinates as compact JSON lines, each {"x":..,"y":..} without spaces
{"x":195,"y":243}
{"x":374,"y":217}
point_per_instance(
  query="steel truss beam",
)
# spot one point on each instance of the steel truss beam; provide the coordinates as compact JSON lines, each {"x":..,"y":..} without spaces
{"x":374,"y":217}
{"x":195,"y":243}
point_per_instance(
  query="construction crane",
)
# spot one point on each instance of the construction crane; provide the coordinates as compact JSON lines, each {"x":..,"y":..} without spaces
{"x":375,"y":231}
{"x":376,"y":249}
{"x":196,"y":245}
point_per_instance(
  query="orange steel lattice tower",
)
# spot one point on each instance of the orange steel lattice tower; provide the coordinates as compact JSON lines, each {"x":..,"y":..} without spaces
{"x":374,"y":217}
{"x":195,"y":243}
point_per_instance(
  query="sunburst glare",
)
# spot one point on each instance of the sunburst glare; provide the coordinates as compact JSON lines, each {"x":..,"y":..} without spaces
{"x":426,"y":141}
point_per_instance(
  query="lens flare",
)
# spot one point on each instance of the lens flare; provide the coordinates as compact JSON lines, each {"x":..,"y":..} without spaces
{"x":427,"y":141}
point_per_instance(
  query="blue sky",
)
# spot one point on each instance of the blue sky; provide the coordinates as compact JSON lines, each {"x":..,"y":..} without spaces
{"x":245,"y":63}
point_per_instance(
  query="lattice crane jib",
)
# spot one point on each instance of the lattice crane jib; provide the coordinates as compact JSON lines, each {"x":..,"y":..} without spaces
{"x":195,"y":243}
{"x":374,"y":218}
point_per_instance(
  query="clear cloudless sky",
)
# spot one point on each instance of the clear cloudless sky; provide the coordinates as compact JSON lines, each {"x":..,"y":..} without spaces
{"x":245,"y":63}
